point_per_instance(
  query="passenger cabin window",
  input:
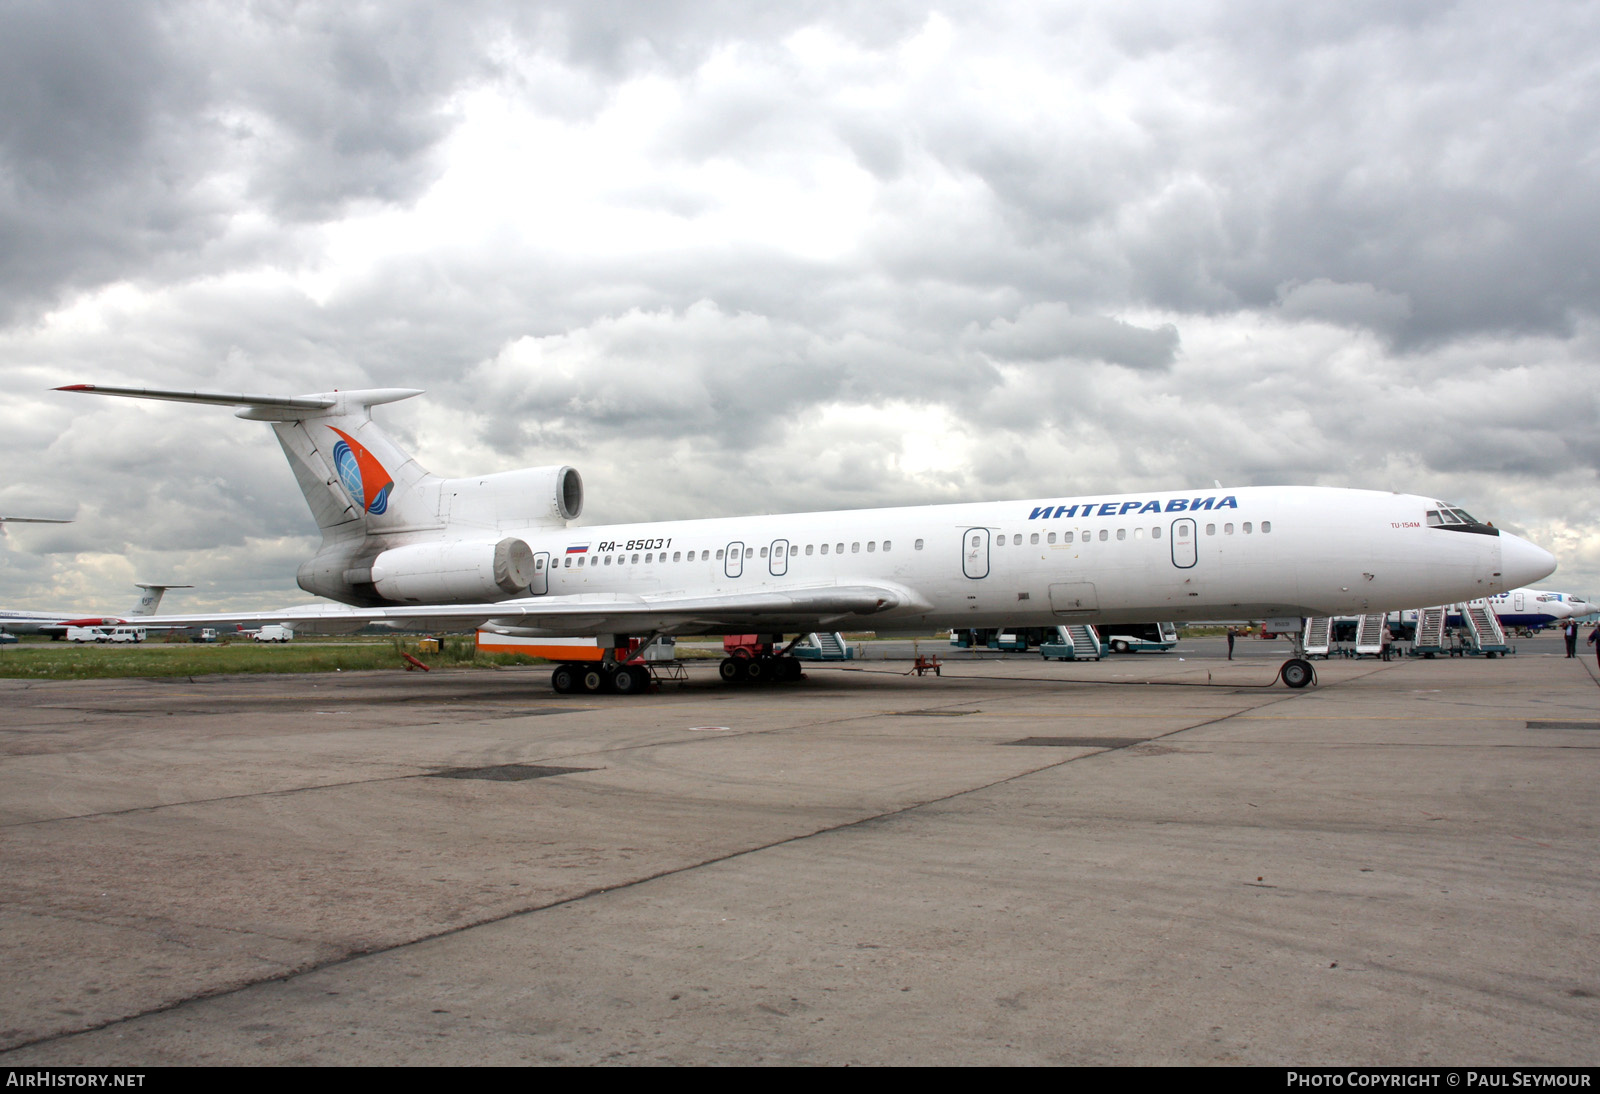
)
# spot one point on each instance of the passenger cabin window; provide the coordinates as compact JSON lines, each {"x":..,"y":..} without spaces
{"x":1033,"y":539}
{"x":885,"y":545}
{"x":1066,"y":537}
{"x":1103,"y":535}
{"x":1266,"y":526}
{"x":1247,"y":528}
{"x":871,"y":546}
{"x":1122,"y":533}
{"x":719,"y":554}
{"x":808,"y":548}
{"x":1227,"y":529}
{"x":824,"y":548}
{"x":917,"y":546}
{"x":838,"y":548}
{"x":1155,"y":533}
{"x":1211,"y":529}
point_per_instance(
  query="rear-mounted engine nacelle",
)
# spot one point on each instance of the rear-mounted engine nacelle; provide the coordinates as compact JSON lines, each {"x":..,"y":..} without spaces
{"x":540,"y":495}
{"x":459,"y":572}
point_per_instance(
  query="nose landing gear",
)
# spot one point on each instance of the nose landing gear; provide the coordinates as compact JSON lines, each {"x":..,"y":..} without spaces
{"x":1297,"y":673}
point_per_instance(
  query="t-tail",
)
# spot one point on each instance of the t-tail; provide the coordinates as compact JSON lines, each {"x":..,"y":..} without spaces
{"x":371,"y":499}
{"x":150,"y":600}
{"x":354,"y":478}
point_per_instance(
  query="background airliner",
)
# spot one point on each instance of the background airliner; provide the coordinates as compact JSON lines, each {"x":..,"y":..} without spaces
{"x":401,"y":545}
{"x":1537,"y":607}
{"x":55,"y":624}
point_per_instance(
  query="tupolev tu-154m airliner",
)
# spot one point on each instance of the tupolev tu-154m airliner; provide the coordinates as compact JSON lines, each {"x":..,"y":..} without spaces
{"x":408,"y":548}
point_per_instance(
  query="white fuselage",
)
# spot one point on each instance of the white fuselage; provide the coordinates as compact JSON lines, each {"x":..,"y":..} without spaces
{"x":1537,"y":607}
{"x":1264,"y":551}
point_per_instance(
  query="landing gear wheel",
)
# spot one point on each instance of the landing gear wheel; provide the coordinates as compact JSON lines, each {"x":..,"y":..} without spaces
{"x":593,"y":680}
{"x":564,"y":680}
{"x":758,"y":670}
{"x":732,"y":669}
{"x":630,"y":679}
{"x":791,"y":669}
{"x":1297,"y":673}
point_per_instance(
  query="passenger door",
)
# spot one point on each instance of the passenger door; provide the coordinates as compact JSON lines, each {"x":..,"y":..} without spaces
{"x":975,"y":552}
{"x":1185,"y":548}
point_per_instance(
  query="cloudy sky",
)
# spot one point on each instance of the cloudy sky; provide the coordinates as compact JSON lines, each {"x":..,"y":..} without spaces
{"x":740,"y":257}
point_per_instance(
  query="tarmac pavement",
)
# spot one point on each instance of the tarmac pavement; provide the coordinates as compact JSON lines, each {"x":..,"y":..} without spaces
{"x":1152,"y":859}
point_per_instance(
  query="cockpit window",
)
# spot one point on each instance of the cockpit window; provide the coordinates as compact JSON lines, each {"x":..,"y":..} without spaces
{"x":1458,"y":520}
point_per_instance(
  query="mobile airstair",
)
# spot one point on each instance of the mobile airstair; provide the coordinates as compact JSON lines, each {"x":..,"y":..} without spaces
{"x":823,"y":646}
{"x":1485,"y":636}
{"x":1074,"y":642}
{"x":1370,"y":635}
{"x":1430,"y":631}
{"x":1317,"y":638}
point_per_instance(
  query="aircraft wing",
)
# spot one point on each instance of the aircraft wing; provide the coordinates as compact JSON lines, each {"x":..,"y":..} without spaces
{"x":590,"y":614}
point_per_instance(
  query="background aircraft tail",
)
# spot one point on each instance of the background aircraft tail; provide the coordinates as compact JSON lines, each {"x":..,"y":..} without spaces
{"x":151,"y":599}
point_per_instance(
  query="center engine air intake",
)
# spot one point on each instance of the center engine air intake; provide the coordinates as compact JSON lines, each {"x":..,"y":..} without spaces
{"x":549,"y":496}
{"x":454,"y":573}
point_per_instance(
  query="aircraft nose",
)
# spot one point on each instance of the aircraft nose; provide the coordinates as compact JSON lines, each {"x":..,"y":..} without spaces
{"x":1523,"y":563}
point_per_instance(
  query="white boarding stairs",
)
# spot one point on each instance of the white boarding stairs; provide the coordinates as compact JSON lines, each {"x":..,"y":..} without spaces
{"x":1318,"y":639}
{"x":1085,"y":641}
{"x":1369,"y":635}
{"x":1430,"y":629}
{"x":831,"y":644}
{"x":1484,"y":626}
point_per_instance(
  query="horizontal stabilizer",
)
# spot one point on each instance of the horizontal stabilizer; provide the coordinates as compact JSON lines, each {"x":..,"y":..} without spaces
{"x":260,"y":407}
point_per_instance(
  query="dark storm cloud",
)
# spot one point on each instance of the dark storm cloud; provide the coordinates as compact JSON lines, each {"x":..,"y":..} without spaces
{"x":130,"y":134}
{"x":1051,"y":332}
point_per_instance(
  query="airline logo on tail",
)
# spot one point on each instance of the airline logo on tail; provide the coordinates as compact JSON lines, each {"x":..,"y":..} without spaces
{"x":364,"y":478}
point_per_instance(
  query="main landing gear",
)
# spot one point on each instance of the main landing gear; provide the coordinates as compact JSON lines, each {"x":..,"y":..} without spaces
{"x":594,"y":678}
{"x":766,"y":669}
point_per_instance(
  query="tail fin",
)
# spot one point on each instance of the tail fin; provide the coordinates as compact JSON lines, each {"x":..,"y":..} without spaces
{"x":151,"y":600}
{"x":354,"y":478}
